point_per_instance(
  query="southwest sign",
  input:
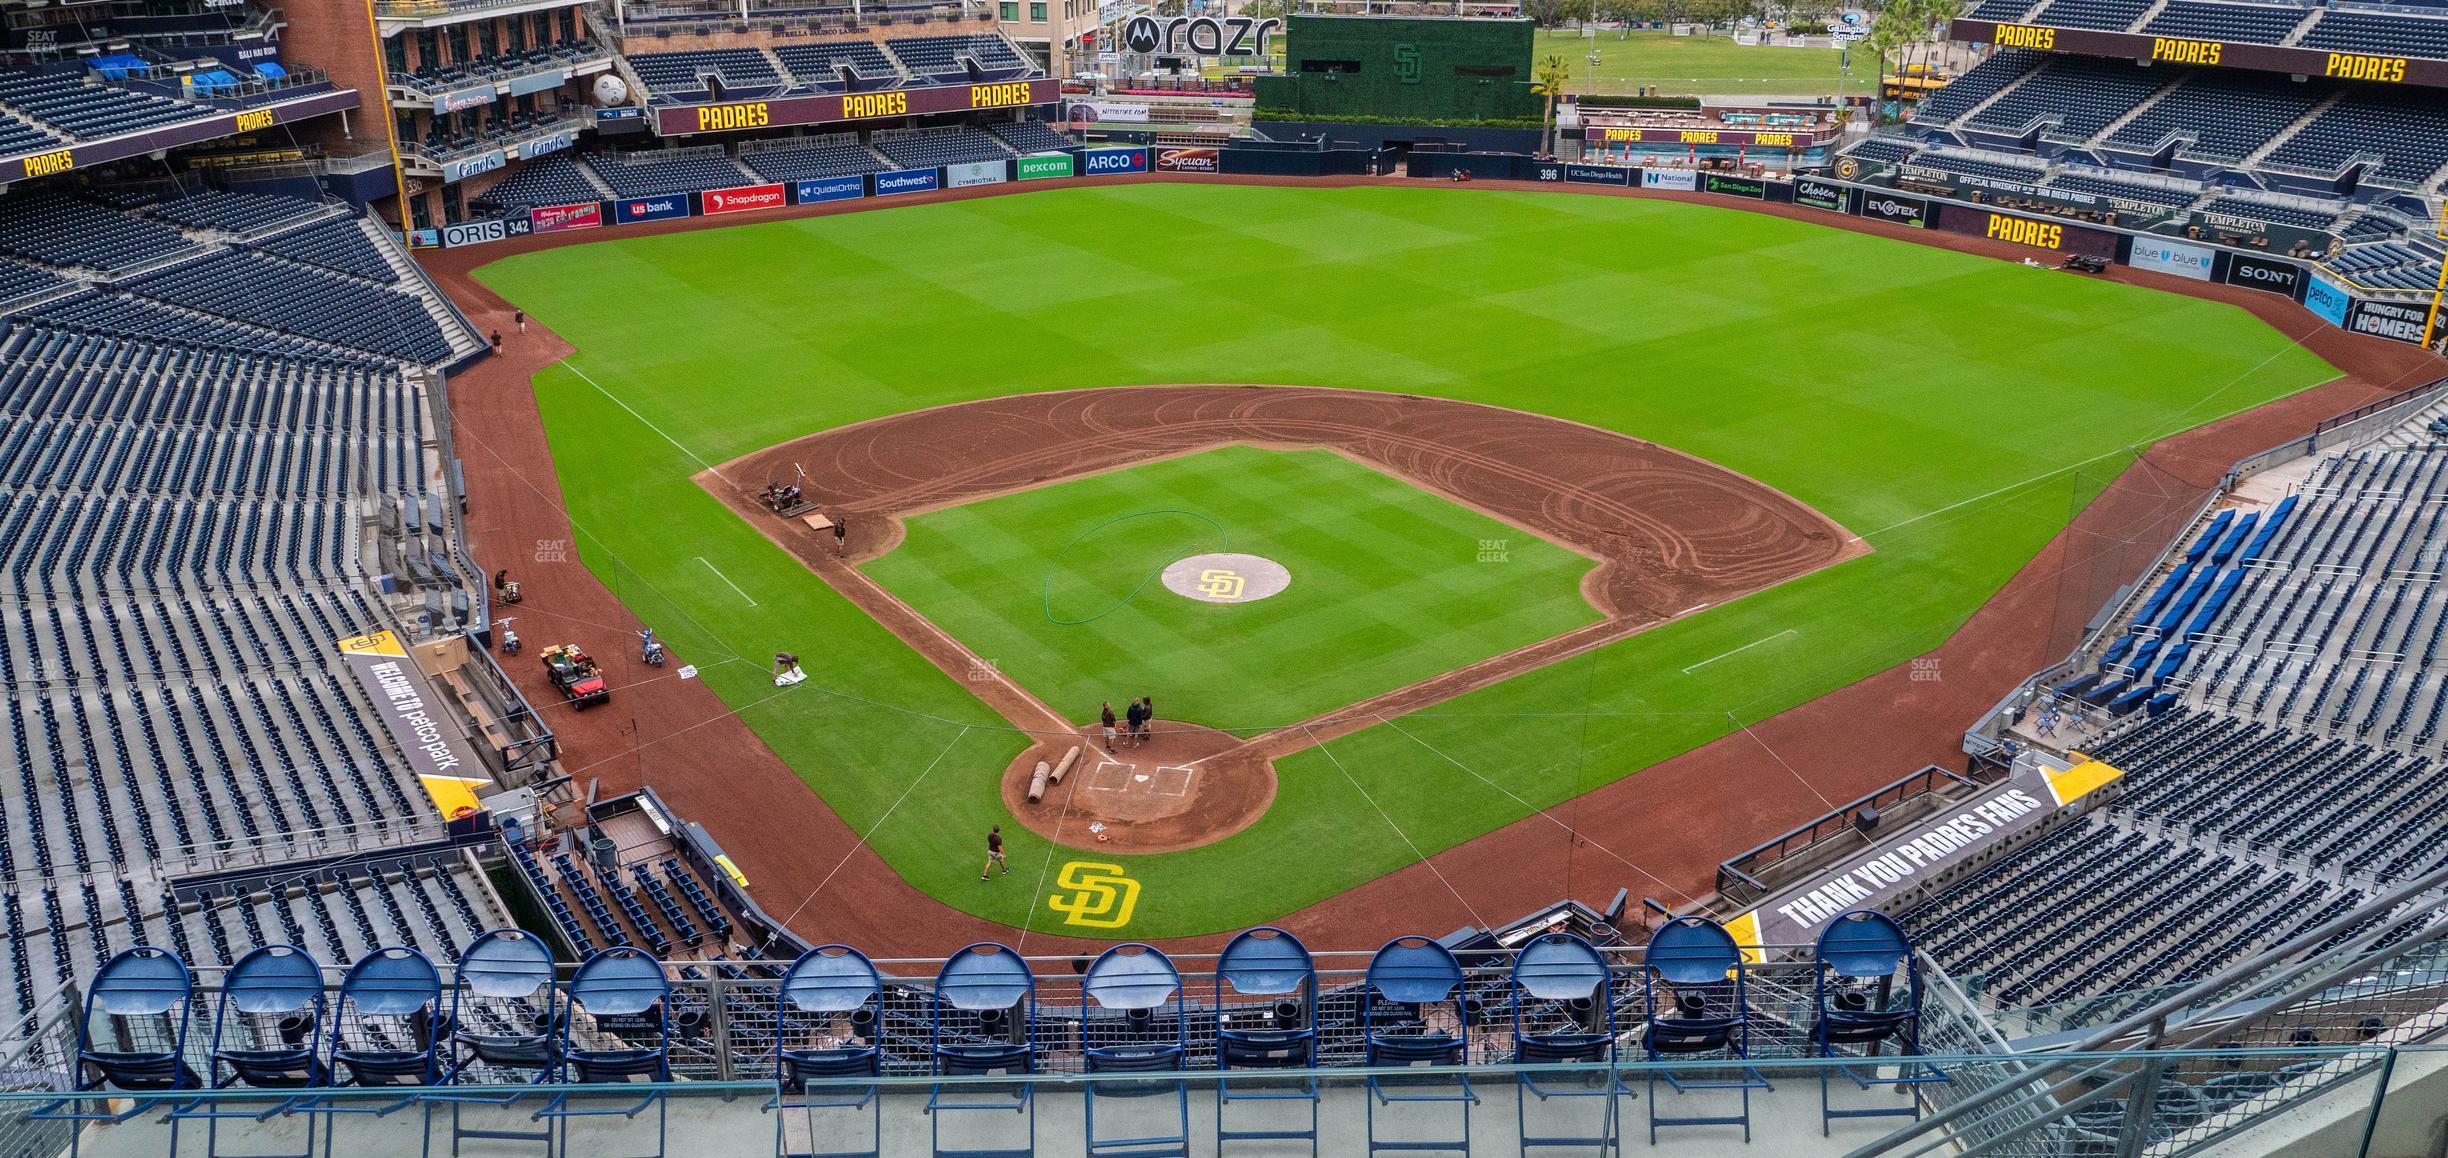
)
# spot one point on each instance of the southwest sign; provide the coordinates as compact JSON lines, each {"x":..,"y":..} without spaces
{"x":2376,"y":68}
{"x":729,"y":116}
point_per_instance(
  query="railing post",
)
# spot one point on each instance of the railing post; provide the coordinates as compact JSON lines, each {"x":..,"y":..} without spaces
{"x":2141,"y":1106}
{"x":718,"y":1025}
{"x":2371,"y":1119}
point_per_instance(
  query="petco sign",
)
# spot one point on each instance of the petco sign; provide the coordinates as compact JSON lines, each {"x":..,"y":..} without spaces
{"x":1199,"y":35}
{"x":743,"y":199}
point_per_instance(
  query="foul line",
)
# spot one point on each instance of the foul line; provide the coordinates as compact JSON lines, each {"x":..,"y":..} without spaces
{"x":1399,"y":834}
{"x":861,"y":842}
{"x":573,"y":368}
{"x":735,"y":588}
{"x":1737,"y":651}
{"x":1535,"y":810}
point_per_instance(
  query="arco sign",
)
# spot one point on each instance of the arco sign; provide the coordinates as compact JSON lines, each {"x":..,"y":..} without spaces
{"x":1199,"y":35}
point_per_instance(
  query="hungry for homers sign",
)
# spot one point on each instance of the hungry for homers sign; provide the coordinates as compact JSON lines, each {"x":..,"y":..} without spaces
{"x":1873,"y":879}
{"x":731,"y":116}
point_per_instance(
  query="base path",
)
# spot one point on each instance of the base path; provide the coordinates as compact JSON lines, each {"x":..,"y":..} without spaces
{"x":1679,"y":817}
{"x":1672,"y":534}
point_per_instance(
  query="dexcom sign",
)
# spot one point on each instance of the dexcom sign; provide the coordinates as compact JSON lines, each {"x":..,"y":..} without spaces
{"x":1107,"y":162}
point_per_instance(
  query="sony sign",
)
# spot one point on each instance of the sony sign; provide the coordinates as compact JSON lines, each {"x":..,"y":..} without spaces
{"x":1199,"y":35}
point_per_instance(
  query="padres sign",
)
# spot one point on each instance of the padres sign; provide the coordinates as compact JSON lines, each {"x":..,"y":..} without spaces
{"x":1094,"y":895}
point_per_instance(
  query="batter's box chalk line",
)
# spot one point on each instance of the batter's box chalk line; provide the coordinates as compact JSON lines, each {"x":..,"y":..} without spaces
{"x":1172,"y":780}
{"x":1109,"y":776}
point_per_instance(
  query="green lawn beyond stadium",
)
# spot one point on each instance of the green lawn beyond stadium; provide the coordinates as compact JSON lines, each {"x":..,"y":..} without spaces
{"x":1390,"y":585}
{"x":1953,"y":410}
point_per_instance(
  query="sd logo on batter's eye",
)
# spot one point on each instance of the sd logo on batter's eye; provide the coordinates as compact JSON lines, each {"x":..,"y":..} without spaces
{"x":1095,"y":895}
{"x":1219,"y":584}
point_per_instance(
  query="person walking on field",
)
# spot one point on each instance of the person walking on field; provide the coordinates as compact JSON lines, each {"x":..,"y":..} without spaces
{"x":1109,"y":727}
{"x":994,"y":853}
{"x":520,"y":316}
{"x":841,"y":535}
{"x":1147,"y":718}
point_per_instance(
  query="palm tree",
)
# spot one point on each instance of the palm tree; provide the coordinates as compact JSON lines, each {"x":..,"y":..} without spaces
{"x":1547,"y":79}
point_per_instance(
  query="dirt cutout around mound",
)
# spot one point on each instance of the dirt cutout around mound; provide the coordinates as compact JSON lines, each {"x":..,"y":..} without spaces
{"x":1672,"y":535}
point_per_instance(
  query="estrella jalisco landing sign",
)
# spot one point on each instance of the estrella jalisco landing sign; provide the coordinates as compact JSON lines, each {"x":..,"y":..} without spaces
{"x":728,"y":116}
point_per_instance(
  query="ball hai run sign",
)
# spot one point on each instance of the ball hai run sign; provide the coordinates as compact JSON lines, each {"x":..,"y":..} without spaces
{"x":1199,"y":35}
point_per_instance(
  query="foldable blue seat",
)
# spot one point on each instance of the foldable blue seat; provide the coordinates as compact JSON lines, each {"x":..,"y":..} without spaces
{"x":266,"y":1031}
{"x":1695,"y":983}
{"x":617,"y":1032}
{"x":1413,"y":1015}
{"x":1145,"y":1029}
{"x":387,"y":1033}
{"x":825,"y":1031}
{"x":1563,"y":998}
{"x":1866,"y":995}
{"x":983,"y":1024}
{"x":1266,"y":1020}
{"x":505,"y":1027}
{"x":131,"y":1037}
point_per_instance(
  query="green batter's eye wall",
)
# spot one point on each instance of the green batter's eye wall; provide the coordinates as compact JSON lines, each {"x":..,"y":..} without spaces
{"x":1452,"y":71}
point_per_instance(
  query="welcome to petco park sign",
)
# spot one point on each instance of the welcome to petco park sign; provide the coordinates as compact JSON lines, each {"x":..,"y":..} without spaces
{"x":731,"y":116}
{"x":1875,"y":878}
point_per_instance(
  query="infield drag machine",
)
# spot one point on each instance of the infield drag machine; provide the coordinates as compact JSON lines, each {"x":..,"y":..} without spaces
{"x":572,"y":671}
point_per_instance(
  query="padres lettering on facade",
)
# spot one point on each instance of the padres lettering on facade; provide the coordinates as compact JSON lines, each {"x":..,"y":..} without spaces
{"x":2025,"y":36}
{"x":45,"y":164}
{"x":252,"y":120}
{"x":715,"y":118}
{"x":2357,"y":66}
{"x":875,"y":104}
{"x":2037,"y":234}
{"x":1781,"y":140}
{"x":2184,"y":51}
{"x":996,"y":96}
{"x":1699,"y":137}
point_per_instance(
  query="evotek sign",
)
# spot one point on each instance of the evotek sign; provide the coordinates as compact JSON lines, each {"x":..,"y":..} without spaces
{"x":2260,"y":273}
{"x":1910,"y":211}
{"x":1199,"y":35}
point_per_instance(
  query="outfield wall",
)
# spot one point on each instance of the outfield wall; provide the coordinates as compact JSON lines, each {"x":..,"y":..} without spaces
{"x":2049,"y":239}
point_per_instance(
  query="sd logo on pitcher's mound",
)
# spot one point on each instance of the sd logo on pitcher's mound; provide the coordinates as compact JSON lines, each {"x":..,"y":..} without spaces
{"x":1226,"y":578}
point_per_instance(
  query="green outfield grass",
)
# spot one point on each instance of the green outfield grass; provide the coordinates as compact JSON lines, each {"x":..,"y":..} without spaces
{"x":1388,"y":587}
{"x":1953,"y":410}
{"x":1698,"y":65}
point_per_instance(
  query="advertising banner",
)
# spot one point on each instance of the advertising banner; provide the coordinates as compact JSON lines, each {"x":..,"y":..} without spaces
{"x":1044,"y":166}
{"x":1106,"y":162}
{"x":544,"y":146}
{"x":2261,"y":273}
{"x":563,"y":218}
{"x":2364,"y":66}
{"x":727,"y":116}
{"x":1683,"y":179}
{"x":2328,"y":299}
{"x":1725,"y":186}
{"x":1597,"y":175}
{"x":640,"y":209}
{"x":743,"y":199}
{"x":830,"y":189}
{"x":1875,"y":877}
{"x":466,"y":98}
{"x":971,"y":173}
{"x":473,"y":233}
{"x":906,"y":181}
{"x":1819,"y":194}
{"x":410,"y":711}
{"x":623,"y":113}
{"x":2035,"y":233}
{"x":2176,"y":257}
{"x":538,"y":82}
{"x":1624,"y":135}
{"x":1879,"y":205}
{"x":2396,"y":321}
{"x":1188,"y":160}
{"x":466,"y":167}
{"x":1091,"y":112}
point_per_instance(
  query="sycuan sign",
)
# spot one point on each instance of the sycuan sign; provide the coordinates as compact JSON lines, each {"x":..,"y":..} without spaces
{"x":728,"y":116}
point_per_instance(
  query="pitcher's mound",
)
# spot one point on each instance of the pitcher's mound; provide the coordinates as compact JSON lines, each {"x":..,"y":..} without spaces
{"x":1226,"y":578}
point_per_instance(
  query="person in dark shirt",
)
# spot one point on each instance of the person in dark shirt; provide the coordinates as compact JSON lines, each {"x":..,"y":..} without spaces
{"x":1134,"y":720}
{"x":994,"y":852}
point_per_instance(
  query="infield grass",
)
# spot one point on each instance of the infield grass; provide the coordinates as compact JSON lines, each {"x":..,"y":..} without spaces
{"x":1955,"y":411}
{"x":1056,"y":586}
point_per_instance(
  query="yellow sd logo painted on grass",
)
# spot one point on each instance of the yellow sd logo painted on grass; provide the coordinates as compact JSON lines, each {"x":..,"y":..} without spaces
{"x":1218,"y":583}
{"x":1094,"y":895}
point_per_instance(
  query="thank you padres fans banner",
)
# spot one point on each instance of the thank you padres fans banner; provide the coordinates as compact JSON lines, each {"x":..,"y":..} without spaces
{"x":1874,"y":879}
{"x":405,"y":702}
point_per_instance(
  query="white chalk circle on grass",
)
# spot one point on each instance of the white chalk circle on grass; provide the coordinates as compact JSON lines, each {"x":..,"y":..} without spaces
{"x":1226,"y":578}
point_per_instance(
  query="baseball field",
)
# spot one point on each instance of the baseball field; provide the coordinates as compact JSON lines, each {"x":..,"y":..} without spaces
{"x":1939,"y":416}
